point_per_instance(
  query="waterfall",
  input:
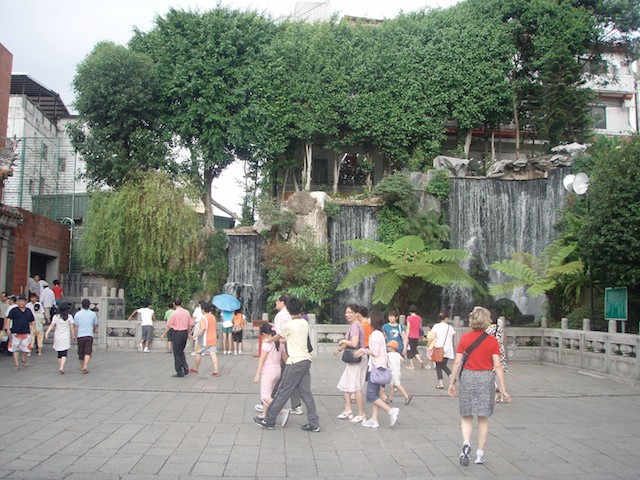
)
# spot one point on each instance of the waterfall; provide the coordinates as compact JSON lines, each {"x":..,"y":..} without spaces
{"x":246,"y":276}
{"x":353,"y":222}
{"x":493,"y":218}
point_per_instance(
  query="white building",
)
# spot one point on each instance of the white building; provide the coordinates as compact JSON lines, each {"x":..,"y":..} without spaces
{"x":46,"y":178}
{"x":615,"y":109}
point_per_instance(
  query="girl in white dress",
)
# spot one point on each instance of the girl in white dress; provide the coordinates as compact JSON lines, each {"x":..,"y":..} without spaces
{"x":62,"y":323}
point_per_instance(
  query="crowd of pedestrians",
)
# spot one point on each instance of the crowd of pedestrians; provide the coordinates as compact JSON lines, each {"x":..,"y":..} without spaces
{"x":374,"y":353}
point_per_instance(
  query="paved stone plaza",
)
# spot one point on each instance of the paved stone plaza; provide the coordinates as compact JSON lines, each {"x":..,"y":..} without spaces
{"x":129,"y":419}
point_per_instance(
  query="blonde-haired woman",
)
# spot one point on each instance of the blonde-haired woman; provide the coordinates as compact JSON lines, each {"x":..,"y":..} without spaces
{"x":477,"y":379}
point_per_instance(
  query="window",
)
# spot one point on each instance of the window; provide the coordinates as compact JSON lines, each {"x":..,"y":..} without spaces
{"x":599,"y":114}
{"x":45,"y":151}
{"x":62,"y":164}
{"x":350,"y":172}
{"x":320,"y":172}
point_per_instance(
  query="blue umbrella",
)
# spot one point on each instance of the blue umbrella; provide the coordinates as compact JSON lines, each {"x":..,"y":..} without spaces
{"x":226,"y":302}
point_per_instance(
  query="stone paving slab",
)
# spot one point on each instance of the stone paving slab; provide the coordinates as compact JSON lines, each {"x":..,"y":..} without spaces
{"x":129,"y":419}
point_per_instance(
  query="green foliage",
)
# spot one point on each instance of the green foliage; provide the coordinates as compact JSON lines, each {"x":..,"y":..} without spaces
{"x":118,"y":100}
{"x":272,"y":214}
{"x":392,"y":224}
{"x":215,"y":264}
{"x":332,"y":209}
{"x":146,"y":236}
{"x":397,"y":191}
{"x":300,"y":270}
{"x":407,"y":258}
{"x":599,"y":323}
{"x":541,"y":275}
{"x":440,"y":186}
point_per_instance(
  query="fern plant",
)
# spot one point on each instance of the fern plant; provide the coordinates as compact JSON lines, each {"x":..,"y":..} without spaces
{"x":406,"y":258}
{"x":540,"y":275}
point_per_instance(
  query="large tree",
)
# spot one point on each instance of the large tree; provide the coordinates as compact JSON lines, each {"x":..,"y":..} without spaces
{"x":118,"y":98}
{"x":204,"y":61}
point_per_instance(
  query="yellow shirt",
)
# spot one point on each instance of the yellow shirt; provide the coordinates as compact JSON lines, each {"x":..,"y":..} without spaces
{"x":296,"y":331}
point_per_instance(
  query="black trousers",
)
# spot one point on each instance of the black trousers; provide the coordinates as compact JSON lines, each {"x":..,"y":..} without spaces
{"x":179,"y":340}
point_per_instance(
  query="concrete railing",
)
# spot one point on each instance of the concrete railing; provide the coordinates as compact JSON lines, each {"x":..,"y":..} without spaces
{"x":606,"y":353}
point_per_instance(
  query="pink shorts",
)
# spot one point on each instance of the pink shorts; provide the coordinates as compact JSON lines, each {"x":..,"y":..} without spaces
{"x":20,"y":342}
{"x":268,"y":381}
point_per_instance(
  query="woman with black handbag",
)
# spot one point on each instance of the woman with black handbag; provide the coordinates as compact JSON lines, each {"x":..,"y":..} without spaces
{"x":477,"y":357}
{"x":355,"y":370}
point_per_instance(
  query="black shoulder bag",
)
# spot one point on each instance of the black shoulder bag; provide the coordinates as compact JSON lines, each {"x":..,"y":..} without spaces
{"x":469,"y":350}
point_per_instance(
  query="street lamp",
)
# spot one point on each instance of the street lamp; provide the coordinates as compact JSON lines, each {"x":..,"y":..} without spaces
{"x":579,"y":184}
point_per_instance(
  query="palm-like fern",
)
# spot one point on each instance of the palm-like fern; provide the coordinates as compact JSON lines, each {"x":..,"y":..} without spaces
{"x":406,"y":258}
{"x":539,"y":274}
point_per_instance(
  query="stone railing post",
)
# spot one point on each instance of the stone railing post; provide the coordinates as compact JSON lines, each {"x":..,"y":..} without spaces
{"x":501,"y":322}
{"x":586,"y":324}
{"x":544,"y":323}
{"x":564,"y":323}
{"x":613,"y":326}
{"x":456,"y":321}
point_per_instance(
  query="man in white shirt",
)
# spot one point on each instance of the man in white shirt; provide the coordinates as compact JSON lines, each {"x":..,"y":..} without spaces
{"x":47,"y":299}
{"x":281,"y":319}
{"x":147,"y":317}
{"x":296,"y":376}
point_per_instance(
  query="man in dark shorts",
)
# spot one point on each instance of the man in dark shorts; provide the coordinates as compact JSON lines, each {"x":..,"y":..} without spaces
{"x":21,"y":331}
{"x":85,"y":326}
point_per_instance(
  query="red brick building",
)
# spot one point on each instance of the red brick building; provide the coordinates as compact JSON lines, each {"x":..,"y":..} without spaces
{"x":29,"y":243}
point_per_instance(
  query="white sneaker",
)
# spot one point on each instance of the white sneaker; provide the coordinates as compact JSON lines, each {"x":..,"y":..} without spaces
{"x":139,"y":347}
{"x":285,"y":416}
{"x":235,"y":353}
{"x":146,"y":349}
{"x":259,"y":407}
{"x":479,"y":457}
{"x":358,"y":419}
{"x":370,"y":423}
{"x":240,"y":352}
{"x":297,"y":410}
{"x":393,"y":416}
{"x":194,"y":353}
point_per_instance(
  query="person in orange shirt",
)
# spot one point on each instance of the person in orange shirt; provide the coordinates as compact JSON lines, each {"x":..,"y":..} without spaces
{"x":207,"y":331}
{"x":363,"y":317}
{"x":236,"y":332}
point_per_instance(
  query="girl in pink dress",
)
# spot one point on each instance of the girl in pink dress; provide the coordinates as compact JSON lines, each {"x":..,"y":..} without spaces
{"x":269,"y":368}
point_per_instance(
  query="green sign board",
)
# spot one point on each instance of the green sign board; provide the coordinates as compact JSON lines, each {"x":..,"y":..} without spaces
{"x":615,"y":304}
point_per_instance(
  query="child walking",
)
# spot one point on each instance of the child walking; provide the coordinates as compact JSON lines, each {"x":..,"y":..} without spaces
{"x":395,"y":365}
{"x":268,"y":372}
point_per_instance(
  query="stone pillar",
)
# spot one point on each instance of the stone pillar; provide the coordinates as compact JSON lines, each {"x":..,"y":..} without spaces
{"x":104,"y":292}
{"x":113,"y":292}
{"x":265,"y":316}
{"x":4,"y":258}
{"x":564,"y":323}
{"x":312,"y":318}
{"x":85,"y":292}
{"x":121,"y":293}
{"x":613,"y":326}
{"x":501,"y":322}
{"x":456,"y":321}
{"x":544,"y":323}
{"x":586,"y":324}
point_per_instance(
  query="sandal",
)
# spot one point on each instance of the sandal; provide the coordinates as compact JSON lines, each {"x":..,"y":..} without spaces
{"x":346,"y":414}
{"x":440,"y":387}
{"x":24,"y":362}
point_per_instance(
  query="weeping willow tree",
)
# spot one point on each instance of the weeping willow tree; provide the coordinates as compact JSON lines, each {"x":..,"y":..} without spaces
{"x":145,"y":236}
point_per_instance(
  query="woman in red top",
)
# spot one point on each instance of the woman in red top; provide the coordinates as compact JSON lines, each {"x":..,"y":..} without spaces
{"x":477,"y":382}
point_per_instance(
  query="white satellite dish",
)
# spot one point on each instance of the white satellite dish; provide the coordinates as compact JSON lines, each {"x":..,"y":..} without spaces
{"x":568,"y":182}
{"x":581,"y":183}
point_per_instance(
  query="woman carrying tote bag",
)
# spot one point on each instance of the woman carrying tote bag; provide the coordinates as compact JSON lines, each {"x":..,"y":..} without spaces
{"x":443,"y":350}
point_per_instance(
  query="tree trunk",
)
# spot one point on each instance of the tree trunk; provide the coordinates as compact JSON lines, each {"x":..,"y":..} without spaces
{"x":467,"y":143}
{"x":308,"y":161}
{"x":284,"y":183}
{"x":336,"y":171}
{"x":369,"y":160}
{"x":493,"y":144}
{"x":206,"y":199}
{"x":516,"y":122}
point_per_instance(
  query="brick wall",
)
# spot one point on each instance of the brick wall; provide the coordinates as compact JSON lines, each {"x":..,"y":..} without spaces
{"x":38,"y":231}
{"x":6,"y":63}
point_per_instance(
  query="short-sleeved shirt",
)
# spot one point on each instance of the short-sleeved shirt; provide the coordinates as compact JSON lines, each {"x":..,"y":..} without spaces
{"x":20,"y":320}
{"x":180,"y":320}
{"x":356,"y":330}
{"x":272,"y":360}
{"x":281,"y":319}
{"x":85,"y":321}
{"x":57,"y":291}
{"x":146,"y":316}
{"x":47,"y":297}
{"x":414,"y":323}
{"x":367,"y":328}
{"x":168,"y":313}
{"x":394,"y":332}
{"x":296,"y":331}
{"x":210,"y":335}
{"x":395,"y":362}
{"x":481,"y":358}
